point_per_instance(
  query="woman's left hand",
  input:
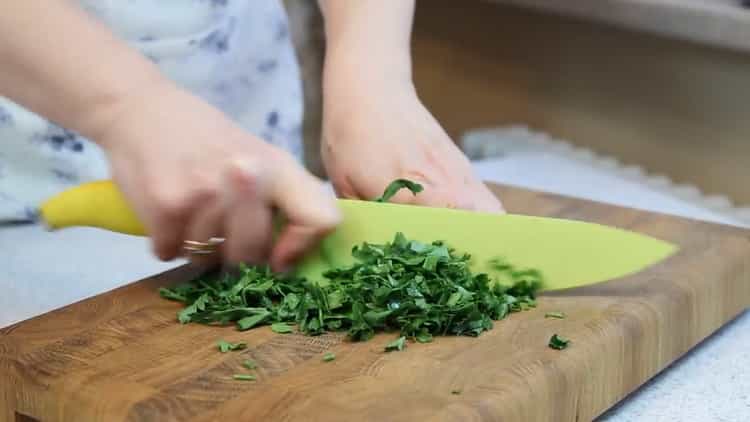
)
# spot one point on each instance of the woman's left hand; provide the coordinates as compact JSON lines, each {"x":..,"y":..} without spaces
{"x":375,"y":133}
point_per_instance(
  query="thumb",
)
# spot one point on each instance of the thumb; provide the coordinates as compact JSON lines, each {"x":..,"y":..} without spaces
{"x":309,"y":209}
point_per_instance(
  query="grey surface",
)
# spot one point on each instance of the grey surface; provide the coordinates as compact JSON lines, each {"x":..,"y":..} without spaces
{"x":719,"y":23}
{"x":43,"y":271}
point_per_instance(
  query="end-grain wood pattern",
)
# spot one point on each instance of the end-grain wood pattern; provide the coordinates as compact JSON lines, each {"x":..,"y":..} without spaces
{"x":123,"y":356}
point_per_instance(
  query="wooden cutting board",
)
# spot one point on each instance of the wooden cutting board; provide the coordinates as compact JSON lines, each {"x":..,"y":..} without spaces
{"x":123,"y":356}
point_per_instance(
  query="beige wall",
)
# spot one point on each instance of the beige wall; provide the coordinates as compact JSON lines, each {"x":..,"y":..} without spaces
{"x":673,"y":107}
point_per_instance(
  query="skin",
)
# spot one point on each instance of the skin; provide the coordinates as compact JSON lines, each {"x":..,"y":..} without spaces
{"x":191,"y":173}
{"x":371,"y":113}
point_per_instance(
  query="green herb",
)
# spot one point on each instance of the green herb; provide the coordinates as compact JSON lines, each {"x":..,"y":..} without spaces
{"x":281,"y":328}
{"x":423,"y":337}
{"x":558,"y":315}
{"x":328,"y":357}
{"x":558,"y":342}
{"x":396,"y":186}
{"x":249,"y":364}
{"x":397,"y":344}
{"x":251,"y":321}
{"x":225,"y":346}
{"x":244,"y":377}
{"x":417,"y":289}
{"x":171,"y":294}
{"x":456,"y":391}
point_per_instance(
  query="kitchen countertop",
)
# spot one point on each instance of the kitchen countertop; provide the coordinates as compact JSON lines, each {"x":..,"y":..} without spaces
{"x":48,"y":270}
{"x":719,"y":23}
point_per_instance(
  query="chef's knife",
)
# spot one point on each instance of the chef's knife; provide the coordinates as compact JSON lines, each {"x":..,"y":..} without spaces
{"x":569,"y":253}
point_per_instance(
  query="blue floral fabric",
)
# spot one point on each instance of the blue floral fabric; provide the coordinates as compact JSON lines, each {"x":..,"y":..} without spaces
{"x":235,"y":54}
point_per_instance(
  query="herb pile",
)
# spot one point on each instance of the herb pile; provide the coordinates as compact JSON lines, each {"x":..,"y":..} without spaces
{"x":419,"y":290}
{"x":416,"y":289}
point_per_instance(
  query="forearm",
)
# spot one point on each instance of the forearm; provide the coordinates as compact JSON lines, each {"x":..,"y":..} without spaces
{"x":368,"y":41}
{"x":65,"y":66}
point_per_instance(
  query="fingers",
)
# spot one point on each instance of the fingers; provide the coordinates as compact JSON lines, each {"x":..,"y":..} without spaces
{"x":240,"y":210}
{"x":310,"y":211}
{"x":473,"y":196}
{"x":207,"y":224}
{"x":486,"y":201}
{"x":292,"y":244}
{"x":302,"y":197}
{"x":476,"y":197}
{"x":167,"y":225}
{"x":248,"y":214}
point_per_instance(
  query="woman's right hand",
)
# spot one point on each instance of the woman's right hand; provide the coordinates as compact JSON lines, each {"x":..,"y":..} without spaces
{"x":192,"y":174}
{"x":189,"y":172}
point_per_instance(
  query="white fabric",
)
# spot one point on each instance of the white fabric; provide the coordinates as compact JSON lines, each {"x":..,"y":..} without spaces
{"x":236,"y":54}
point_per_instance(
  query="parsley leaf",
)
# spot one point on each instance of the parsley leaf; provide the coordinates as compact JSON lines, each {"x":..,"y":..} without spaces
{"x":244,"y":377}
{"x":424,"y":336}
{"x":398,"y":344}
{"x":225,"y":346}
{"x":558,"y":342}
{"x":281,"y":328}
{"x":171,"y":294}
{"x":329,"y":357}
{"x":396,"y":186}
{"x":249,"y":364}
{"x":186,"y":315}
{"x":253,"y":320}
{"x":418,"y":289}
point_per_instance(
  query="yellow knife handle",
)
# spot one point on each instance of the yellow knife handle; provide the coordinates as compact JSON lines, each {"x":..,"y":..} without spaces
{"x":95,"y":204}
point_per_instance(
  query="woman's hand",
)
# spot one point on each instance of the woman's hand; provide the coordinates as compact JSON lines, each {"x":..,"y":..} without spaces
{"x":375,"y":129}
{"x":191,"y":174}
{"x":375,"y":133}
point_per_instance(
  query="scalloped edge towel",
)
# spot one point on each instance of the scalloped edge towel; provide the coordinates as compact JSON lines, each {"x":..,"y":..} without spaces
{"x":506,"y":155}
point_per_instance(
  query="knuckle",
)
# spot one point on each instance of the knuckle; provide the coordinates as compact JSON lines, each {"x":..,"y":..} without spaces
{"x":246,"y":175}
{"x":168,"y":209}
{"x":327,"y":220}
{"x":164,"y":203}
{"x":201,"y":194}
{"x":331,"y":222}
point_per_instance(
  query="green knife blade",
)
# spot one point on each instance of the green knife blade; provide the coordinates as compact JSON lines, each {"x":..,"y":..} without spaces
{"x":569,"y":253}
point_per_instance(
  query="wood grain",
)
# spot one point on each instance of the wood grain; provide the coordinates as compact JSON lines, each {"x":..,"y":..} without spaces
{"x":123,"y":356}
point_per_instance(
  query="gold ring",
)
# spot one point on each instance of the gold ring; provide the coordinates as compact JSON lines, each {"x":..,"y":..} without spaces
{"x":202,"y":248}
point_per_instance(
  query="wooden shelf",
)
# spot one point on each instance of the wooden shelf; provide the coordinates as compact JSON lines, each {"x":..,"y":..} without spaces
{"x":672,"y":107}
{"x":719,"y":23}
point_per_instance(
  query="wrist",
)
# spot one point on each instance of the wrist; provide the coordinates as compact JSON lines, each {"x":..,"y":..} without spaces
{"x":368,"y":63}
{"x":353,"y":76}
{"x":109,"y":110}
